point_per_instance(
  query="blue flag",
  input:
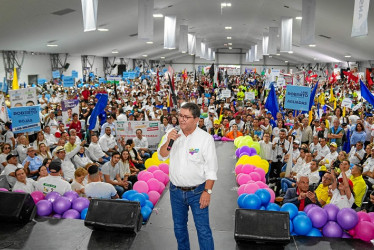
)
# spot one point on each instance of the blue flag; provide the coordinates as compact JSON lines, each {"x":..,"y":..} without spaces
{"x":365,"y":93}
{"x":272,"y":102}
{"x":312,"y":95}
{"x":100,"y":106}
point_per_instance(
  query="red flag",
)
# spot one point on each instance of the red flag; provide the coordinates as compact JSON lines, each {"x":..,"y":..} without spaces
{"x":158,"y":82}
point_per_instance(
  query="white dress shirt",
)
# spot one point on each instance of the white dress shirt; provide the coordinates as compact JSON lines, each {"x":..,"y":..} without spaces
{"x":322,"y":152}
{"x":95,"y":151}
{"x":29,"y":187}
{"x":140,"y":143}
{"x":354,"y":159}
{"x":107,"y":142}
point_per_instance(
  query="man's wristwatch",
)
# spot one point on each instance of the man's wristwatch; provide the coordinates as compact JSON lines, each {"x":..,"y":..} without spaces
{"x":209,"y":191}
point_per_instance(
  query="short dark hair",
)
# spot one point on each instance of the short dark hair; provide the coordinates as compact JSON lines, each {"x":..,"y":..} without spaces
{"x":193,"y":108}
{"x":360,"y":168}
{"x":129,"y":141}
{"x":138,"y":130}
{"x":116,"y":153}
{"x":93,"y":169}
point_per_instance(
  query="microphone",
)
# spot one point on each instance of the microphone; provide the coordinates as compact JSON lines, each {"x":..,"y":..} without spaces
{"x":171,"y":142}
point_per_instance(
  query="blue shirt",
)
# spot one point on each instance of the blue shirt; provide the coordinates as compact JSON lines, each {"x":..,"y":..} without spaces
{"x":35,"y":162}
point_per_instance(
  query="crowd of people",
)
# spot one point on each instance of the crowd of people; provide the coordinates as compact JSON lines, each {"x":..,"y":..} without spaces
{"x":331,"y":148}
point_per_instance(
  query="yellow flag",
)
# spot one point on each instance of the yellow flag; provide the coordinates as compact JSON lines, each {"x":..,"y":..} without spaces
{"x":343,"y":111}
{"x":332,"y":98}
{"x":310,"y":116}
{"x":321,"y":99}
{"x":15,"y":80}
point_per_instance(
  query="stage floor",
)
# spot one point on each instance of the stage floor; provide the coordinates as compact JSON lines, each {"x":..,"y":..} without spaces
{"x":157,"y":234}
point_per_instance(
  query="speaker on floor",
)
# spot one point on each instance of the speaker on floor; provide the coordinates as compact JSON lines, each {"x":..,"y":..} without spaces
{"x":16,"y":207}
{"x":262,"y":226}
{"x":121,"y":68}
{"x":114,"y":215}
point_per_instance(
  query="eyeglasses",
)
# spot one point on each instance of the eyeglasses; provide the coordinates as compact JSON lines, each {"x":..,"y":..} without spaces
{"x":184,"y":117}
{"x":7,"y":148}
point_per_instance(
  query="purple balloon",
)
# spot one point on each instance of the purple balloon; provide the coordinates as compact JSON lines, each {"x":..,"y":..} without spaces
{"x":237,"y":151}
{"x":80,"y":203}
{"x":61,"y":205}
{"x":57,"y":216}
{"x":307,"y":208}
{"x":71,"y":195}
{"x":318,"y":216}
{"x":242,"y":154}
{"x":332,"y":229}
{"x":71,"y":214}
{"x":252,"y":151}
{"x":346,"y":236}
{"x":52,"y":196}
{"x":347,"y":218}
{"x":243,"y":149}
{"x":44,"y":208}
{"x":332,"y":211}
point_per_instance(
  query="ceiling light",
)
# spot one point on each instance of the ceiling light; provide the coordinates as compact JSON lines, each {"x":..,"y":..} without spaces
{"x":158,"y":15}
{"x":312,"y":45}
{"x":52,"y":45}
{"x":145,"y":55}
{"x":314,"y":58}
{"x":278,"y":54}
{"x":230,"y":47}
{"x":115,"y":51}
{"x":149,"y":42}
{"x":229,"y":37}
{"x":162,"y":57}
{"x":229,"y":44}
{"x":347,"y":56}
{"x":183,"y":52}
{"x":102,"y":29}
{"x":225,"y":5}
{"x":228,"y":4}
{"x":290,"y":52}
{"x":270,"y":56}
{"x":286,"y":61}
{"x":228,"y":28}
{"x":298,"y":17}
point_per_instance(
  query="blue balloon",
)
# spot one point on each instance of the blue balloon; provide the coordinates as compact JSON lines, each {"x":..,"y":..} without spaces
{"x":262,"y":208}
{"x":314,"y":233}
{"x":291,"y":226}
{"x":146,"y":212}
{"x":272,"y":207}
{"x":127,"y":194}
{"x":240,"y":200}
{"x":264,"y":195}
{"x":148,"y":203}
{"x":291,"y":209}
{"x":124,"y":199}
{"x":84,"y":213}
{"x":302,"y":213}
{"x":252,"y":201}
{"x":139,"y":198}
{"x":302,"y":224}
{"x":145,"y":195}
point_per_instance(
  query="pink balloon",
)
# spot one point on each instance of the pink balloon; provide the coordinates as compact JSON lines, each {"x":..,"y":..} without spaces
{"x":263,"y":179}
{"x":261,"y":184}
{"x":246,"y":169}
{"x":37,"y":196}
{"x":261,"y":172}
{"x":153,"y":184}
{"x":255,"y":176}
{"x":164,"y":168}
{"x":365,"y":230}
{"x":352,"y":232}
{"x":238,"y":169}
{"x":371,"y":215}
{"x":154,"y":196}
{"x":237,"y":177}
{"x":162,"y":188}
{"x":251,"y":188}
{"x":362,"y":216}
{"x":251,"y":181}
{"x":141,"y":187}
{"x":243,"y":179}
{"x":272,"y":194}
{"x":140,"y":174}
{"x":241,"y":189}
{"x":146,"y":176}
{"x":152,"y":169}
{"x":18,"y":191}
{"x":4,"y":189}
{"x":166,"y":179}
{"x":159,"y":175}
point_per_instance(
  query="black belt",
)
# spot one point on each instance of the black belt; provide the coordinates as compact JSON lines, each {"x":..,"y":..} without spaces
{"x":187,"y":188}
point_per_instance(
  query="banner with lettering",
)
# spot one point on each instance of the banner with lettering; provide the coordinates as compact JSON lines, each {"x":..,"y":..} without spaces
{"x":69,"y":107}
{"x":25,"y":119}
{"x":297,"y":98}
{"x":23,"y":97}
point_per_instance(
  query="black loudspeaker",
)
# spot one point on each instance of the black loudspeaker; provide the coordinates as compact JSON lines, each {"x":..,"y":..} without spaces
{"x":66,"y":66}
{"x":262,"y":226}
{"x":121,"y":68}
{"x":16,"y":207}
{"x":114,"y":215}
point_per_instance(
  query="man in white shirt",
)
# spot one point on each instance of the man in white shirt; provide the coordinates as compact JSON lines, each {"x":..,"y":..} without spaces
{"x":122,"y":116}
{"x":54,"y":181}
{"x":330,"y":157}
{"x":111,"y":174}
{"x":50,"y":138}
{"x":67,"y":166}
{"x":280,"y":147}
{"x":357,"y":153}
{"x":323,"y":150}
{"x":368,"y":126}
{"x":108,"y":142}
{"x":23,"y":183}
{"x":10,"y":169}
{"x":95,"y":151}
{"x":109,"y":124}
{"x":141,"y":144}
{"x":265,"y":146}
{"x":96,"y":188}
{"x":314,"y":147}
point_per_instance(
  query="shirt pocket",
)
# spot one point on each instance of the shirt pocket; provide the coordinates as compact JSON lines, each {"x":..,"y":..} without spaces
{"x":194,"y":157}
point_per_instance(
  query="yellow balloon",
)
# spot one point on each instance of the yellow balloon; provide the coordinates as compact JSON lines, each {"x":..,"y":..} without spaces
{"x":154,"y":155}
{"x":236,"y":141}
{"x":150,"y":162}
{"x":264,"y":164}
{"x":243,"y":160}
{"x":256,"y":145}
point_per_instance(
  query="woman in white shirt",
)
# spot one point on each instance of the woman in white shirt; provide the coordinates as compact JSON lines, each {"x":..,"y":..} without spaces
{"x":342,"y":195}
{"x":44,"y":152}
{"x":5,"y":151}
{"x":39,"y":139}
{"x":79,"y":181}
{"x":81,"y":159}
{"x":125,"y":166}
{"x":165,"y":126}
{"x":21,"y":148}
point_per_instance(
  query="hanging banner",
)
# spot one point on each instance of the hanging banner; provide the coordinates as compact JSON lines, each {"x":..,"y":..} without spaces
{"x":191,"y":44}
{"x":89,"y":13}
{"x":68,"y":81}
{"x":308,"y":23}
{"x":297,"y":98}
{"x":298,"y":79}
{"x":69,"y":107}
{"x":25,"y":119}
{"x":226,"y":93}
{"x":145,"y":19}
{"x":56,"y":74}
{"x":74,"y":74}
{"x":42,"y":80}
{"x":170,"y":24}
{"x":360,"y":18}
{"x":286,"y":34}
{"x":198,"y":47}
{"x":265,"y":44}
{"x":150,"y":130}
{"x":273,"y":40}
{"x":183,"y":38}
{"x":23,"y":97}
{"x":233,"y":72}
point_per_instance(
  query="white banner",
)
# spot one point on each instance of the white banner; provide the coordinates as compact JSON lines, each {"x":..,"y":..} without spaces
{"x":249,"y":96}
{"x":202,"y":49}
{"x":89,"y":13}
{"x":273,"y":40}
{"x":226,"y":93}
{"x":250,"y":59}
{"x":265,"y":44}
{"x":308,"y":23}
{"x":298,"y":79}
{"x":23,"y":97}
{"x":170,"y":24}
{"x":233,"y":72}
{"x":347,"y":102}
{"x":286,"y":34}
{"x":360,"y":18}
{"x":145,"y":19}
{"x":150,"y":130}
{"x":3,"y":111}
{"x":183,"y":38}
{"x":191,"y":44}
{"x":69,"y":107}
{"x":254,"y":53}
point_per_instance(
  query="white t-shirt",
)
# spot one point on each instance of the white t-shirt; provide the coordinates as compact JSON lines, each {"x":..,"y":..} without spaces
{"x":100,"y":190}
{"x":53,"y":183}
{"x":341,"y":201}
{"x":10,"y":168}
{"x":29,"y":187}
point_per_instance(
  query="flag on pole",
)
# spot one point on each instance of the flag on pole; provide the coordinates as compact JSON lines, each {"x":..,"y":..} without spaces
{"x":272,"y":102}
{"x":99,"y":108}
{"x":311,"y":102}
{"x":365,"y":93}
{"x":158,"y":82}
{"x":15,"y":80}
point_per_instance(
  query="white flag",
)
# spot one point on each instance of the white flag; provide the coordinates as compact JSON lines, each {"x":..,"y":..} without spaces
{"x":360,"y":18}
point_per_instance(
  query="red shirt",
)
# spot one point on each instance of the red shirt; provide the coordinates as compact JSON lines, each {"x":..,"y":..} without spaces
{"x":86,"y":93}
{"x":77,"y":126}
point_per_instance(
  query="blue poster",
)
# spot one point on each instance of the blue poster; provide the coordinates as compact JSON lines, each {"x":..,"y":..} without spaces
{"x":42,"y":81}
{"x":74,"y":74}
{"x":297,"y":98}
{"x":68,"y":81}
{"x":91,"y":74}
{"x":25,"y":119}
{"x":125,"y":75}
{"x":56,"y":74}
{"x":132,"y":75}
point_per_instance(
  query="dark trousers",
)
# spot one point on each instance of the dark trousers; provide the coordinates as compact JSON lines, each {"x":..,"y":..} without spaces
{"x":275,"y":169}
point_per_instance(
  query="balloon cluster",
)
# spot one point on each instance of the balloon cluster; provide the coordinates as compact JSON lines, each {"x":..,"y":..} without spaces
{"x":217,"y":137}
{"x":146,"y":201}
{"x":67,"y":206}
{"x":154,"y":161}
{"x":247,"y":141}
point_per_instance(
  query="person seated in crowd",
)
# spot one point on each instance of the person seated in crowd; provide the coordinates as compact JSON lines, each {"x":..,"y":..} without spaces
{"x":32,"y":163}
{"x":358,"y":135}
{"x":322,"y":191}
{"x":165,"y":126}
{"x":23,"y":183}
{"x":39,"y":139}
{"x":73,"y":132}
{"x":368,"y":207}
{"x":81,"y":159}
{"x":341,"y":195}
{"x":344,"y":167}
{"x":315,"y":146}
{"x":79,"y":181}
{"x":51,"y":122}
{"x":111,"y":174}
{"x":256,"y":129}
{"x":54,"y":181}
{"x":49,"y":137}
{"x":329,"y":158}
{"x":76,"y":124}
{"x":217,"y":129}
{"x":135,"y":156}
{"x":301,"y":195}
{"x":125,"y":164}
{"x":9,"y":171}
{"x":96,"y":152}
{"x":43,"y":170}
{"x":266,"y":147}
{"x":71,"y":144}
{"x":44,"y":152}
{"x":109,"y":124}
{"x":357,"y":153}
{"x":367,"y":154}
{"x":21,"y":148}
{"x":107,"y":142}
{"x":60,"y":130}
{"x":323,"y":150}
{"x":359,"y":185}
{"x":234,"y":133}
{"x":141,"y":145}
{"x":5,"y":151}
{"x":201,"y":124}
{"x":342,"y":156}
{"x":9,"y":136}
{"x":61,"y":142}
{"x":96,"y":188}
{"x":67,"y":166}
{"x":335,"y":134}
{"x":368,"y":171}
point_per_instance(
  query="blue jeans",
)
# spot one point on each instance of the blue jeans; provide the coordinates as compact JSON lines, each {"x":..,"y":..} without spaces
{"x":181,"y":201}
{"x":120,"y":190}
{"x":286,"y":183}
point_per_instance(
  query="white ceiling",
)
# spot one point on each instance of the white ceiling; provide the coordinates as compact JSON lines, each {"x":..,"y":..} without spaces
{"x":29,"y":25}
